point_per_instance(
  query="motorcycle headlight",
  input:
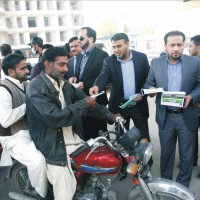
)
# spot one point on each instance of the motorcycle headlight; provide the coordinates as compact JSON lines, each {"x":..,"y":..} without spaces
{"x":143,"y":151}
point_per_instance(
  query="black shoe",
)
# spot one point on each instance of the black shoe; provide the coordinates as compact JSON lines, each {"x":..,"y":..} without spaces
{"x":198,"y":175}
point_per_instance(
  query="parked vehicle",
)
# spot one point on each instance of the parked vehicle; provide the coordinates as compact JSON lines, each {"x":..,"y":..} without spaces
{"x":120,"y":156}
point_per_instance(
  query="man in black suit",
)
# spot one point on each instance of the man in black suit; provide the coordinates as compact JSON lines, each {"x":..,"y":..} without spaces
{"x":75,"y":49}
{"x":126,"y":71}
{"x":88,"y":66}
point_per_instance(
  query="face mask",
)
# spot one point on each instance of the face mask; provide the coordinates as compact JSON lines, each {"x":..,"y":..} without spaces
{"x":33,"y":50}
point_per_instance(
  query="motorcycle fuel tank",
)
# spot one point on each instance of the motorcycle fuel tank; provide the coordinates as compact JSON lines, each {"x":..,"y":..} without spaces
{"x":102,"y":160}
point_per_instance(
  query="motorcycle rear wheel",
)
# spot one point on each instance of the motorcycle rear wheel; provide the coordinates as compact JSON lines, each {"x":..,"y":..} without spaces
{"x":20,"y":181}
{"x":135,"y":193}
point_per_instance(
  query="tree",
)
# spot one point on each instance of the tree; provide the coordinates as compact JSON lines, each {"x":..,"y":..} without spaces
{"x":108,"y":28}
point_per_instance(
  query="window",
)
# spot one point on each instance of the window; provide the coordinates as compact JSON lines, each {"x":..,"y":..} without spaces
{"x":31,"y":22}
{"x":4,"y":4}
{"x":60,"y":21}
{"x":76,"y":20}
{"x":19,"y":22}
{"x":27,"y":5}
{"x":8,"y":23}
{"x":16,"y":5}
{"x":62,"y":36}
{"x":32,"y":35}
{"x":58,"y":5}
{"x":48,"y":37}
{"x":21,"y":39}
{"x":74,"y":5}
{"x":10,"y":39}
{"x":38,"y":5}
{"x":46,"y":21}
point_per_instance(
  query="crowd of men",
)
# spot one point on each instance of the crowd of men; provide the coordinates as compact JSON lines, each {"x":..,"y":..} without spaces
{"x":53,"y":114}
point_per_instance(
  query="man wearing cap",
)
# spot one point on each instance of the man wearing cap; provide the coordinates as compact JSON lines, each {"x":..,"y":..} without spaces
{"x":36,"y":46}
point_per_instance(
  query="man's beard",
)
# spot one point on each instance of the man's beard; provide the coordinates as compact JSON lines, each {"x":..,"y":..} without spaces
{"x":21,"y":79}
{"x":85,"y":45}
{"x":57,"y":76}
{"x":176,"y":57}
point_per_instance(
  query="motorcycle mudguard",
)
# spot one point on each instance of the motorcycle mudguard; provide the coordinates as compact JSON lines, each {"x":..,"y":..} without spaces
{"x":170,"y":187}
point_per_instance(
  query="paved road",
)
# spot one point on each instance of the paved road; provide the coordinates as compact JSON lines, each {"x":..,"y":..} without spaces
{"x":194,"y":186}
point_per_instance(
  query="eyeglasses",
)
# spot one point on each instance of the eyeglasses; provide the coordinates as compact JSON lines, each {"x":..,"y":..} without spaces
{"x":81,"y":38}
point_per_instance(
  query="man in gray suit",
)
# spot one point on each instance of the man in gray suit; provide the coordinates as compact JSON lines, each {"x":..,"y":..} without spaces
{"x":176,"y":72}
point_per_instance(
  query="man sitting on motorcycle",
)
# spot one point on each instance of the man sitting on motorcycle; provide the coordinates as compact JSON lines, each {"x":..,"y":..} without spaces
{"x":14,"y":134}
{"x":54,"y":110}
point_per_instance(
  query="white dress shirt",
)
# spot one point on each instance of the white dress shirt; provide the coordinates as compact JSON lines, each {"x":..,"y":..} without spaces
{"x":3,"y":76}
{"x":9,"y":115}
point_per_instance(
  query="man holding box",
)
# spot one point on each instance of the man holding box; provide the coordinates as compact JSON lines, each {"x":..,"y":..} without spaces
{"x":176,"y":72}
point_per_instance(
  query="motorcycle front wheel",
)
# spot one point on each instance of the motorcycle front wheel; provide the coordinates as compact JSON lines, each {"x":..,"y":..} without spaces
{"x":135,"y":193}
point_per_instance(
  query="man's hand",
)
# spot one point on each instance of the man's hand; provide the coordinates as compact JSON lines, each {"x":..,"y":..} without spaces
{"x":91,"y":101}
{"x":81,"y":86}
{"x":72,"y":80}
{"x":187,"y":101}
{"x":114,"y":116}
{"x":94,"y":90}
{"x":138,"y":97}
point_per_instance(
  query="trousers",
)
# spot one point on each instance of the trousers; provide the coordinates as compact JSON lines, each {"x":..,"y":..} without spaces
{"x":173,"y":130}
{"x":21,"y":148}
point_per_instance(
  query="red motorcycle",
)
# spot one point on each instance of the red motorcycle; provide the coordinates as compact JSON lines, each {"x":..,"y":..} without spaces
{"x":102,"y":157}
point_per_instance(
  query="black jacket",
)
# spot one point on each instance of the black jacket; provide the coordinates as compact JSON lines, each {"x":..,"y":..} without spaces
{"x":46,"y":117}
{"x":112,"y":73}
{"x":91,"y":71}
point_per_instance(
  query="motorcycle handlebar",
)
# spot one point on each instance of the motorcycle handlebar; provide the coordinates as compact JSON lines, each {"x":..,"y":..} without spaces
{"x":121,"y":122}
{"x":91,"y":142}
{"x":105,"y":141}
{"x":80,"y":150}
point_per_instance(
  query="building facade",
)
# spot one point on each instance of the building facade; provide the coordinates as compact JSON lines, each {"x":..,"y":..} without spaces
{"x":55,"y":21}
